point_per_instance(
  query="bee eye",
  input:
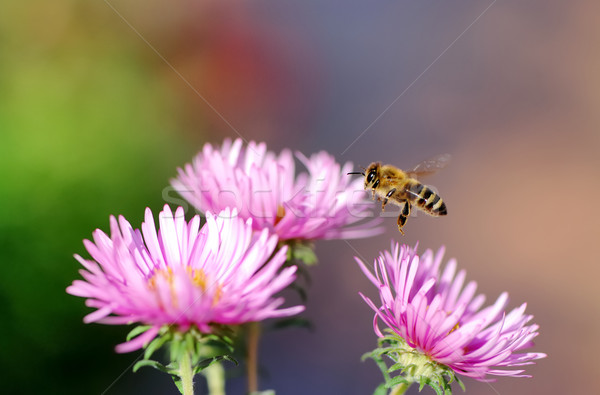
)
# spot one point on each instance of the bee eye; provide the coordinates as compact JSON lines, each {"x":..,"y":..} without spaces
{"x":371,"y":176}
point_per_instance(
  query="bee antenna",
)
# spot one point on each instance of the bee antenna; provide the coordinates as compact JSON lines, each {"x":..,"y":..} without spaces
{"x":356,"y":172}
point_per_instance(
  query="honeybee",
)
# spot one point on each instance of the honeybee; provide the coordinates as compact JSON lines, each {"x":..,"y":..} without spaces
{"x":388,"y":183}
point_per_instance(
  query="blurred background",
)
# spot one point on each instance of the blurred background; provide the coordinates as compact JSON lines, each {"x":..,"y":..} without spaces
{"x":101,"y":101}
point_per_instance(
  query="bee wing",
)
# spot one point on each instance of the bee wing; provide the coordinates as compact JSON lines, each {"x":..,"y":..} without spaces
{"x":430,"y":166}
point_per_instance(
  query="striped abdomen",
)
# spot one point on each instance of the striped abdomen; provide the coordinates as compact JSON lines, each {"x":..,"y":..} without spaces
{"x":425,"y":198}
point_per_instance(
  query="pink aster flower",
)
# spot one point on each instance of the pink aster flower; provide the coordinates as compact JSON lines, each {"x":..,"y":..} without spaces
{"x":439,"y":318}
{"x":323,"y":203}
{"x":182,"y":274}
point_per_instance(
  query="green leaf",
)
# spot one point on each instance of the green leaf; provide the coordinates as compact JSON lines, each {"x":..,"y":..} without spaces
{"x":203,"y":364}
{"x":200,"y":366}
{"x":222,"y":338}
{"x":150,"y":363}
{"x":381,"y":390}
{"x":178,"y":383}
{"x":231,"y":359}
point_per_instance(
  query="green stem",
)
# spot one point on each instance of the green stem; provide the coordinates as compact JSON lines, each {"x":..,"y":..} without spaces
{"x":400,"y":389}
{"x":252,"y":357}
{"x":186,"y":374}
{"x":215,"y":379}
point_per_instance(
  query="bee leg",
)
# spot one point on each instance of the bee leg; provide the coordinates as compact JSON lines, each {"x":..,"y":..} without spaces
{"x":388,"y":195}
{"x":373,"y":191}
{"x":403,"y":216}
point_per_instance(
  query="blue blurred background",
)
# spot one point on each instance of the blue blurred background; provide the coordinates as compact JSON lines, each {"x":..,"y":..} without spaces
{"x":101,"y":101}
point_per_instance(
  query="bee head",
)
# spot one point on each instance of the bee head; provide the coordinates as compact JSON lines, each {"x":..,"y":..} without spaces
{"x":372,"y":175}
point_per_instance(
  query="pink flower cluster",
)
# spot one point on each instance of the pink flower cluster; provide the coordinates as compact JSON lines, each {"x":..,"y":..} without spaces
{"x":183,"y":274}
{"x":323,"y":203}
{"x":439,"y":317}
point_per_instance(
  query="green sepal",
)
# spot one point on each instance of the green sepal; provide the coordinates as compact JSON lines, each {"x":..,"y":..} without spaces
{"x":423,"y":381}
{"x":375,"y":355}
{"x":304,"y":253}
{"x":190,"y":343}
{"x":222,"y":336}
{"x":460,"y":383}
{"x":410,"y":366}
{"x":301,"y":250}
{"x":367,"y":355}
{"x":437,"y":389}
{"x":398,"y":366}
{"x":176,"y":348}
{"x":154,"y":345}
{"x":204,"y":349}
{"x":138,"y":330}
{"x":394,"y":381}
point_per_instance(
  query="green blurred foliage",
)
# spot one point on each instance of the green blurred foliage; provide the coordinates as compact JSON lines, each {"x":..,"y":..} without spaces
{"x":87,"y":129}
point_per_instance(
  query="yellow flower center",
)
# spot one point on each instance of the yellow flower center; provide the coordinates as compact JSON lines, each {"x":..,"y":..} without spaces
{"x":167,"y":274}
{"x":454,"y":328}
{"x":280,"y":214}
{"x":197,"y":276}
